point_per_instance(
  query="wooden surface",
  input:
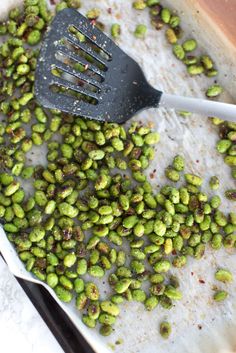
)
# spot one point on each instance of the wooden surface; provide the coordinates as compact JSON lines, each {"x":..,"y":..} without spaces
{"x":223,"y":12}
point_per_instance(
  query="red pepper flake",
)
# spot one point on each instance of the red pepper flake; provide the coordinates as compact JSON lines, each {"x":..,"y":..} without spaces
{"x":197,"y":161}
{"x":152,"y":176}
{"x":192,"y":273}
{"x":93,"y":22}
{"x":174,"y":252}
{"x":109,"y":10}
{"x":53,"y":2}
{"x":201,"y":281}
{"x":199,"y":327}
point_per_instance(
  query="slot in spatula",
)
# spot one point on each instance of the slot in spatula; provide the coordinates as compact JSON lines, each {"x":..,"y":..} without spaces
{"x":83,"y":72}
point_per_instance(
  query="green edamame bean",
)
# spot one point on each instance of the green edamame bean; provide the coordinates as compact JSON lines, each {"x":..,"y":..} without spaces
{"x":224,"y":276}
{"x":78,"y":285}
{"x":165,"y":15}
{"x":81,"y":301}
{"x":193,"y":179}
{"x":165,"y":329}
{"x":110,"y":308}
{"x":106,"y":319}
{"x":115,"y":30}
{"x":63,"y":294}
{"x":151,"y":303}
{"x":91,"y":291}
{"x":105,"y":330}
{"x":162,"y":266}
{"x":140,"y":31}
{"x":220,"y":296}
{"x":214,"y":91}
{"x":52,"y":280}
{"x":96,"y":271}
{"x":178,"y":51}
{"x":82,"y":267}
{"x":173,"y":293}
{"x":189,"y":45}
{"x":88,"y":321}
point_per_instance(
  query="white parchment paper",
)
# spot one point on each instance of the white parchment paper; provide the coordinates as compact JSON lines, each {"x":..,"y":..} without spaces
{"x":199,"y":324}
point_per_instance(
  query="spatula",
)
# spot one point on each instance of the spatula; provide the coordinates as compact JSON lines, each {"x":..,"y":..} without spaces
{"x":83,"y":72}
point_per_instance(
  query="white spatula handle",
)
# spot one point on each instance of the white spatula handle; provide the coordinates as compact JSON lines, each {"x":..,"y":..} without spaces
{"x":201,"y":106}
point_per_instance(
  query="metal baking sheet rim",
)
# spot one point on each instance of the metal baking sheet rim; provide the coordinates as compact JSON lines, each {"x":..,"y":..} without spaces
{"x":17,"y":268}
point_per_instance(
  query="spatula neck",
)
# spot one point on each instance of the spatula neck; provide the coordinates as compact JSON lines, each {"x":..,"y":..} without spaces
{"x":152,"y":97}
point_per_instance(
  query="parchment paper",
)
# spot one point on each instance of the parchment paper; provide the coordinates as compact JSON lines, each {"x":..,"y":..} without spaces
{"x":199,"y":324}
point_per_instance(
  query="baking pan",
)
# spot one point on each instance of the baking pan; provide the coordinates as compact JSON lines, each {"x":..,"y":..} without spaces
{"x":55,"y":318}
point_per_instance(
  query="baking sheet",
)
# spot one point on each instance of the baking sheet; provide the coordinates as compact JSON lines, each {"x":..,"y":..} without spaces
{"x":198,"y":323}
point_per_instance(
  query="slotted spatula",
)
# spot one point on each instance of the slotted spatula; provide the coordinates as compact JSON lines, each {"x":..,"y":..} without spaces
{"x":83,"y":72}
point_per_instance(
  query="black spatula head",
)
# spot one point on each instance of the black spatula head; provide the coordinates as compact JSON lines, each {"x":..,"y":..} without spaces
{"x":83,"y":72}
